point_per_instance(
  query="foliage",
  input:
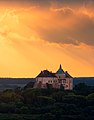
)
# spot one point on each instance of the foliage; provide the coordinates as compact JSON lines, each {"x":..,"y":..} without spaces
{"x":47,"y":104}
{"x":90,"y":96}
{"x":29,"y":85}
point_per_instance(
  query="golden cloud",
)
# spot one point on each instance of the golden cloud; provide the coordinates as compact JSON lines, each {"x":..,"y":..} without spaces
{"x":30,"y":35}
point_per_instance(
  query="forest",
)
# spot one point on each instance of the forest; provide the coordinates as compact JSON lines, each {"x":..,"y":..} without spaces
{"x":47,"y":104}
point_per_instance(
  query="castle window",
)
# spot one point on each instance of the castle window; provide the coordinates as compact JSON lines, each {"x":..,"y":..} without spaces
{"x":64,"y":80}
{"x":48,"y":81}
{"x":55,"y":81}
{"x":66,"y":86}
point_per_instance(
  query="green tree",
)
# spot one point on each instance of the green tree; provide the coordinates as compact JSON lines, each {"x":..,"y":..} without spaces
{"x":58,"y":96}
{"x":81,"y":89}
{"x":10,"y":96}
{"x":7,"y":108}
{"x":44,"y":101}
{"x":78,"y":100}
{"x":29,"y":85}
{"x":24,"y":110}
{"x":90,"y":99}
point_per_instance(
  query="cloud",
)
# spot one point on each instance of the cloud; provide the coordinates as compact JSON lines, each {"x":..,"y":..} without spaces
{"x":44,"y":2}
{"x":59,"y":23}
{"x":67,"y":26}
{"x":47,"y":2}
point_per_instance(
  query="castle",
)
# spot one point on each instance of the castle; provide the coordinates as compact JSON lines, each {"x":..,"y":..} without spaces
{"x":56,"y":80}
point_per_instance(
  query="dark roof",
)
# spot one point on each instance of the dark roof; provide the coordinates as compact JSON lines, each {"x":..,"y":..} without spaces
{"x":60,"y":70}
{"x":67,"y":75}
{"x":46,"y":73}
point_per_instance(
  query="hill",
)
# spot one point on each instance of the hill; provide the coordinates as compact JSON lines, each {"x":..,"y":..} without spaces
{"x":87,"y":80}
{"x":11,"y":83}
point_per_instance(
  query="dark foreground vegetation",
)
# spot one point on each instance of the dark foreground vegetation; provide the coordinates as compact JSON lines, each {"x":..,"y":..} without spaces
{"x":47,"y":104}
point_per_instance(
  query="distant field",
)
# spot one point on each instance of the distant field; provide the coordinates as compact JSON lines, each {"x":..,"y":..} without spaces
{"x":12,"y":83}
{"x":86,"y":80}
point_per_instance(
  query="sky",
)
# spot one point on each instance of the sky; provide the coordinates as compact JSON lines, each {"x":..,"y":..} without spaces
{"x":42,"y":34}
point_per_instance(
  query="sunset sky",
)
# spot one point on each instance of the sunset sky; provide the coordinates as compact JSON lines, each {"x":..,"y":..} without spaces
{"x":42,"y":34}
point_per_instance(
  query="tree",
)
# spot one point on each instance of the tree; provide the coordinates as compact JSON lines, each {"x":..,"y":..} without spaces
{"x":24,"y":110}
{"x":78,"y":100}
{"x":90,"y":99}
{"x":47,"y":116}
{"x":58,"y":96}
{"x":10,"y":96}
{"x":44,"y":101}
{"x":81,"y":89}
{"x":90,"y":96}
{"x":7,"y":108}
{"x":29,"y":85}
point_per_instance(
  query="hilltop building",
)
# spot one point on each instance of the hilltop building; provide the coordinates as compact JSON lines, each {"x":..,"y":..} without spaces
{"x":55,"y":80}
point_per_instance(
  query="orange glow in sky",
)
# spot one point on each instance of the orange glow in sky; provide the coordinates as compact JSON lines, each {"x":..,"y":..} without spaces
{"x":42,"y":35}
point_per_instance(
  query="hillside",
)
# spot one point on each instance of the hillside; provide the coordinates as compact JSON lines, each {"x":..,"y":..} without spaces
{"x":87,"y":80}
{"x":11,"y":83}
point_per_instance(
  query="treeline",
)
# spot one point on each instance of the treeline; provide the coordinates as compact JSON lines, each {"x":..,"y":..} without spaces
{"x":47,"y":104}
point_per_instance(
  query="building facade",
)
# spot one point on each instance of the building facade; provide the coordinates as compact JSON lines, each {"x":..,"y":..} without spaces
{"x":55,"y":80}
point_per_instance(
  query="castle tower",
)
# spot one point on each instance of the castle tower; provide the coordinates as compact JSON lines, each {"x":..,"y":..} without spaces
{"x":64,"y":78}
{"x":60,"y":73}
{"x":60,"y":70}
